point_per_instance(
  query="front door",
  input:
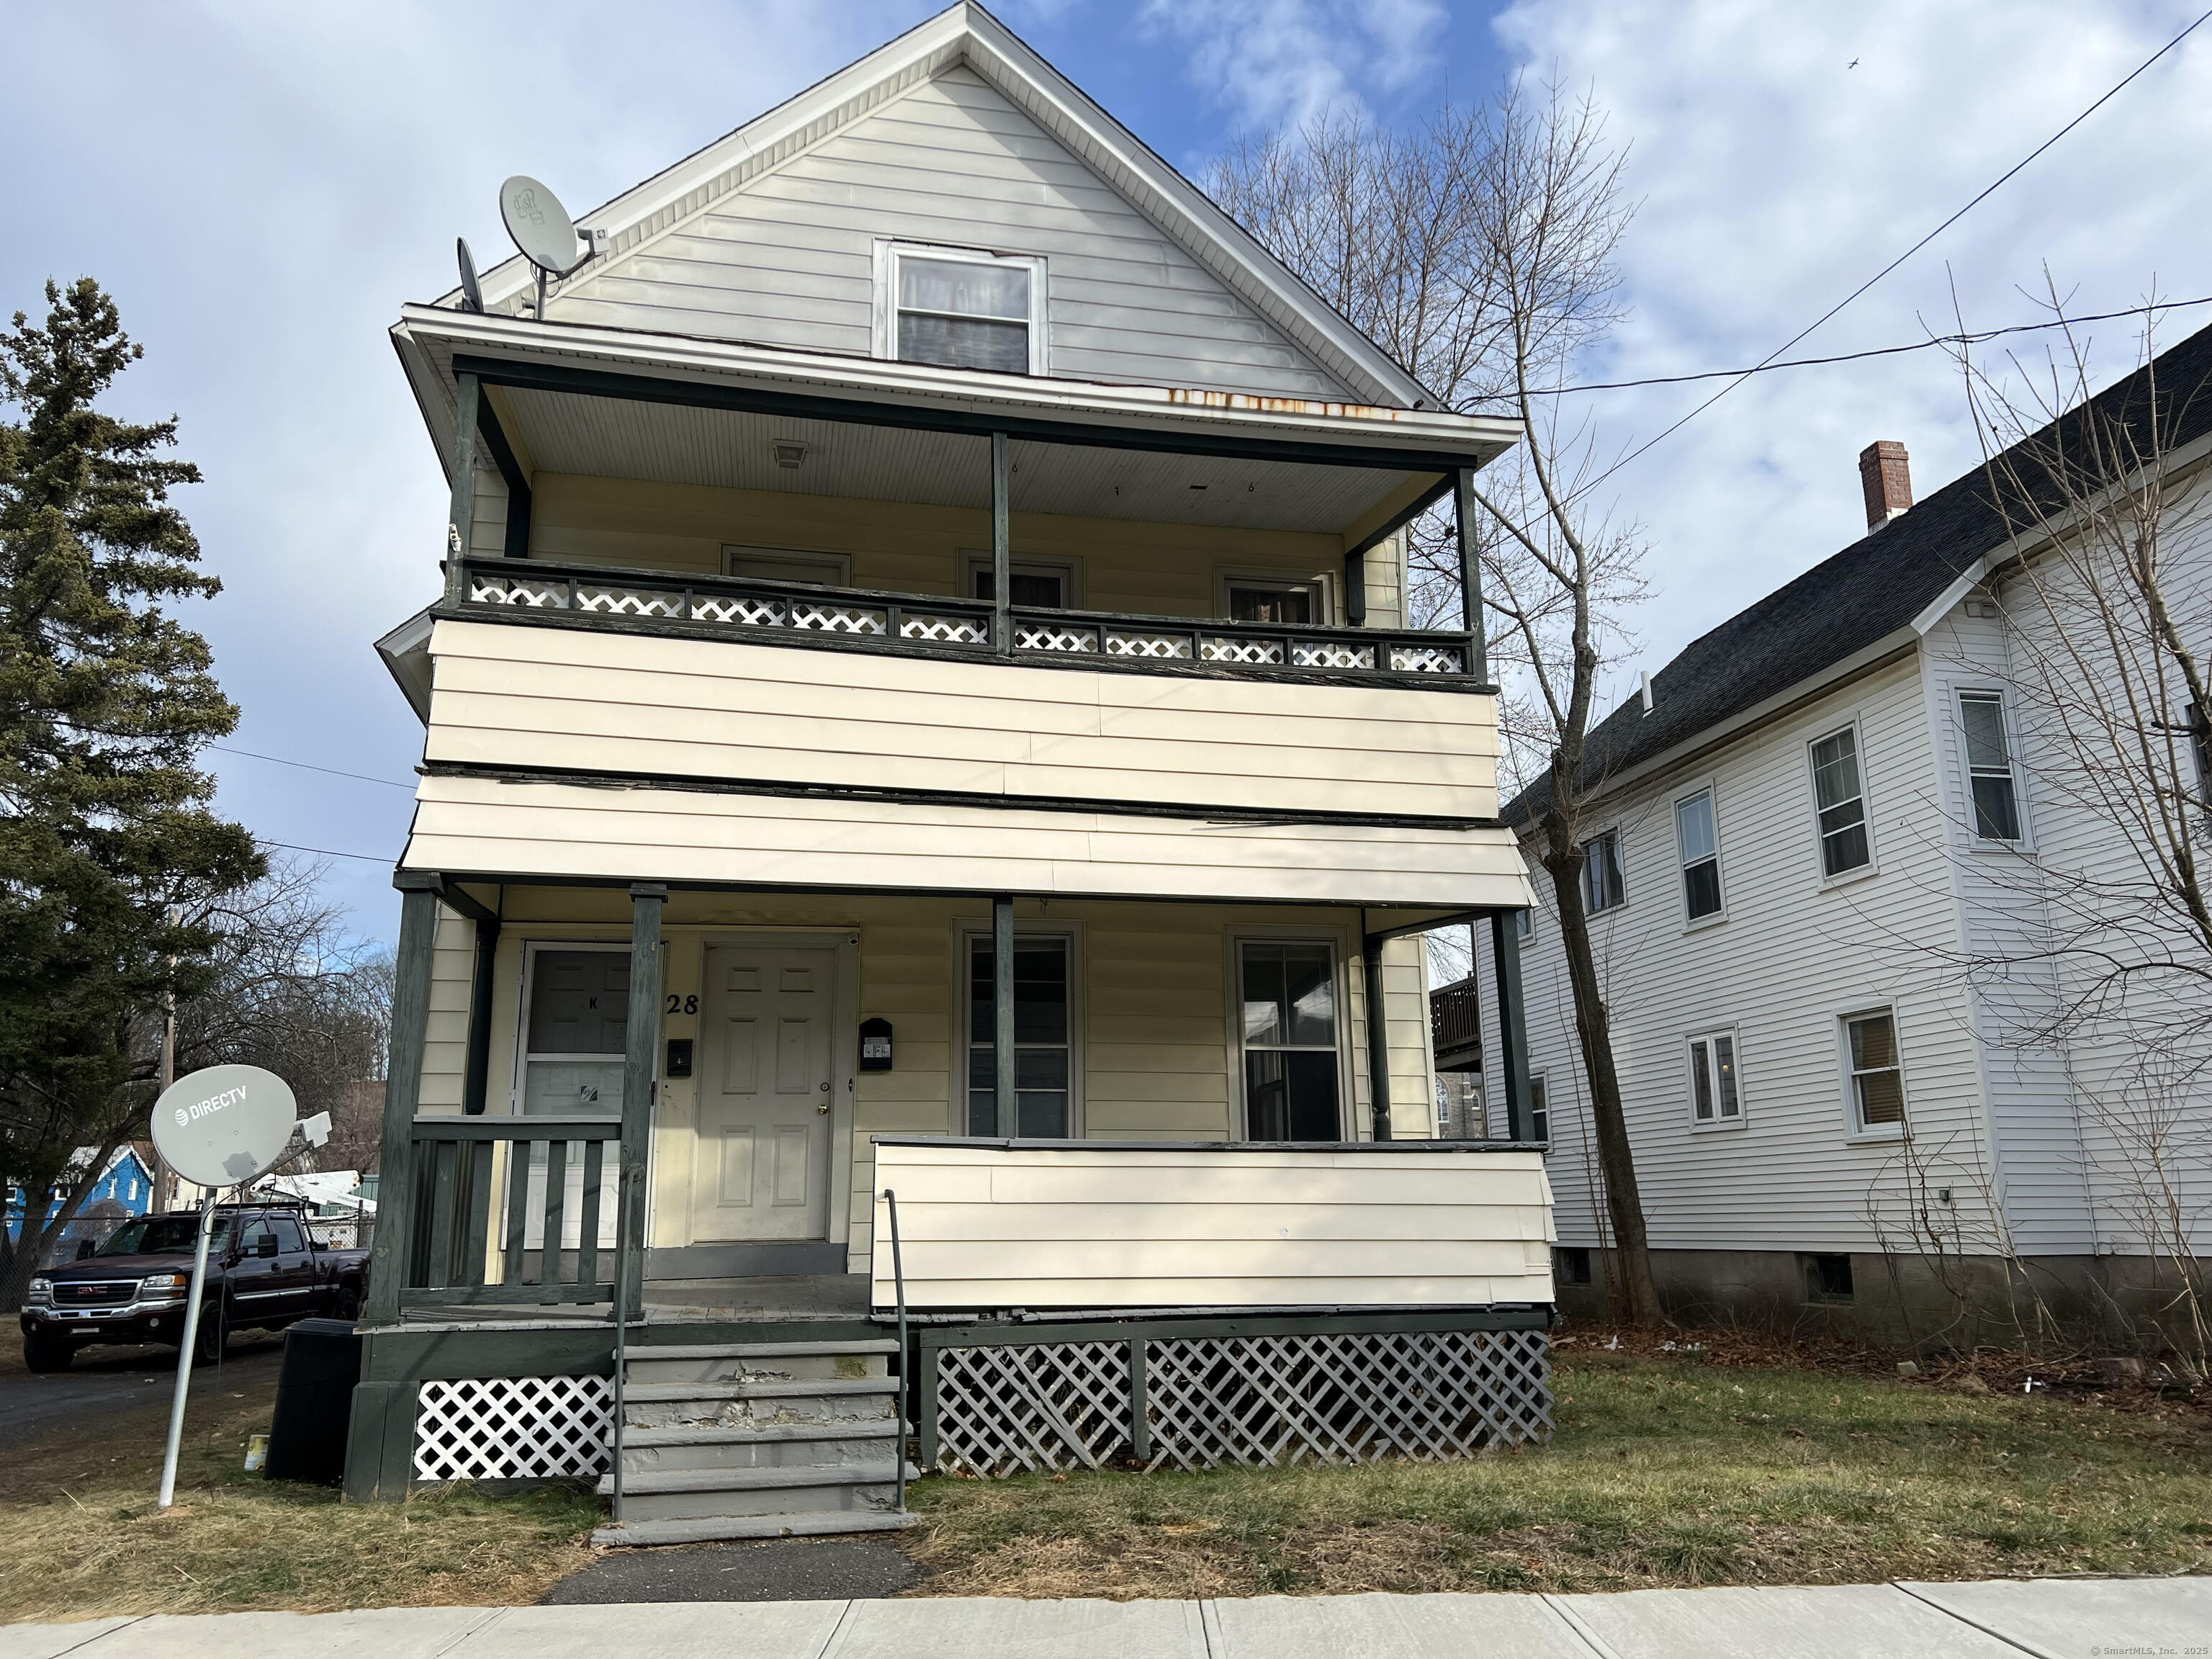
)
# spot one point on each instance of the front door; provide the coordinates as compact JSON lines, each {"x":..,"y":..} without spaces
{"x":765,"y":1100}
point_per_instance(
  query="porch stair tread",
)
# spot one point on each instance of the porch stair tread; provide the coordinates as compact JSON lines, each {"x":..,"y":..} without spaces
{"x":759,"y":1350}
{"x":652,"y":1393}
{"x":707,"y":1529}
{"x":774,"y":1479}
{"x":703,"y":1434}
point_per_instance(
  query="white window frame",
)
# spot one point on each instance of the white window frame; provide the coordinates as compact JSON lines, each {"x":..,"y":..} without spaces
{"x":1971,"y":815}
{"x":523,"y":1054}
{"x":1710,"y":791}
{"x":1620,"y":867}
{"x":1707,"y":1037}
{"x":836,"y":568}
{"x":1320,"y":584}
{"x":1524,"y":924}
{"x":1340,"y":948}
{"x":1069,"y":570}
{"x":1540,"y":1090}
{"x":965,"y":936}
{"x":1873,"y":864}
{"x":889,"y":251}
{"x":1854,"y":1130}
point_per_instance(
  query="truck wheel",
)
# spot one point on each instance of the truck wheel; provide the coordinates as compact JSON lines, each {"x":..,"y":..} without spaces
{"x":208,"y":1341}
{"x":348,"y":1304}
{"x":46,"y":1353}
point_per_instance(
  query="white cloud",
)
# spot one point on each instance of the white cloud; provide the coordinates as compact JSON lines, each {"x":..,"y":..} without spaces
{"x":1268,"y":62}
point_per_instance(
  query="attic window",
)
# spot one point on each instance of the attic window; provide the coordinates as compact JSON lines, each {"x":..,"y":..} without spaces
{"x":959,"y":309}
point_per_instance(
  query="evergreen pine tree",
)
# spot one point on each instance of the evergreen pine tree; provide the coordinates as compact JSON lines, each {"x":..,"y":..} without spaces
{"x":105,"y":703}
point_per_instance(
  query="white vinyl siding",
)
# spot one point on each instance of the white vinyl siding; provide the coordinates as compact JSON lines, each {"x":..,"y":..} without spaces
{"x":788,"y":258}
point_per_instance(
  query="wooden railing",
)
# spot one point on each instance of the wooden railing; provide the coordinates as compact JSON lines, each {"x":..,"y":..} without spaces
{"x":459,"y":1163}
{"x":863,"y":619}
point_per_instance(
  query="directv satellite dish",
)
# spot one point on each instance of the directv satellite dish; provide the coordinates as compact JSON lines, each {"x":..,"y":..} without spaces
{"x":542,"y":230}
{"x":472,"y":295}
{"x":224,"y":1124}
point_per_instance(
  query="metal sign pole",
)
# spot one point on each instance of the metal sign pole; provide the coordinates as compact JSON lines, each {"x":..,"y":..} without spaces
{"x":184,"y":1355}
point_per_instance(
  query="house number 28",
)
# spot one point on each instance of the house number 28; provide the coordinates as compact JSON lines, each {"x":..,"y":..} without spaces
{"x":682,"y":1005}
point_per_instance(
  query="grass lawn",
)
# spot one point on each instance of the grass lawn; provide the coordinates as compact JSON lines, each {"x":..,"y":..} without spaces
{"x":1664,"y":1472}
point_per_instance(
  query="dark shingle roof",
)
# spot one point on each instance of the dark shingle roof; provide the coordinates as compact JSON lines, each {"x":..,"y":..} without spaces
{"x":1868,"y":592}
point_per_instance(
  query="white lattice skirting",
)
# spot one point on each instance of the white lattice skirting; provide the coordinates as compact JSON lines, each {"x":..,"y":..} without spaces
{"x":513,"y":1428}
{"x":1338,"y":1398}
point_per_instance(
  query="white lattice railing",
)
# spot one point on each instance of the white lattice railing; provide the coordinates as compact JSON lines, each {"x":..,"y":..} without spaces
{"x":890,"y":619}
{"x":1264,"y":1400}
{"x":513,"y":1428}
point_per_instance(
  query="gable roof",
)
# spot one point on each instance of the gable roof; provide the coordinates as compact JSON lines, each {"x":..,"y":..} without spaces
{"x":1876,"y":590}
{"x":964,"y":33}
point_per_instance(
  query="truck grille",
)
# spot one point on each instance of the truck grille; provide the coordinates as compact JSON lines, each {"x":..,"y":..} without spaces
{"x":103,"y":1293}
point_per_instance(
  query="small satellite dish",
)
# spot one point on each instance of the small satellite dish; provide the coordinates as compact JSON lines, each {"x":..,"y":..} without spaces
{"x":472,"y":295}
{"x":541,"y":227}
{"x":225,"y":1124}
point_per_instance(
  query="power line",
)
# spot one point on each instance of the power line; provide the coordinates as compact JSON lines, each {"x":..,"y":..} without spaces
{"x":1847,"y":299}
{"x":323,"y":852}
{"x":331,"y":771}
{"x":1975,"y":338}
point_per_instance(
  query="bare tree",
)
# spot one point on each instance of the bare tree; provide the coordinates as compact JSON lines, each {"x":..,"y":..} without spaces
{"x":1478,"y":250}
{"x":2104,"y":590}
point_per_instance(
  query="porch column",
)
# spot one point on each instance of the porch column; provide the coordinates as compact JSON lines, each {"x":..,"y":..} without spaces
{"x":1378,"y":1037}
{"x":460,"y":518}
{"x":1470,"y":576}
{"x":1002,"y":551}
{"x":640,"y":1052}
{"x":1002,"y":1025}
{"x":475,"y":1075}
{"x":403,"y":1085}
{"x":1512,"y":1024}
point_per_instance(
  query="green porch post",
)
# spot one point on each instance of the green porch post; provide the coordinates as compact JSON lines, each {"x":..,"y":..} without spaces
{"x":410,"y":1021}
{"x":1378,"y":1035}
{"x":639,"y":1054}
{"x":1002,"y":550}
{"x":460,"y":518}
{"x":1512,"y":1024}
{"x":1470,"y":576}
{"x":1006,"y":1084}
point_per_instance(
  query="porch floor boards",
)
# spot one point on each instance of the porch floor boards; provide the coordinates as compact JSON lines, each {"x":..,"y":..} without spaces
{"x":799,"y":1299}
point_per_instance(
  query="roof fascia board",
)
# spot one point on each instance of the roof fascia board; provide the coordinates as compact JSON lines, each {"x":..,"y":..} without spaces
{"x":1437,"y":436}
{"x":969,"y":34}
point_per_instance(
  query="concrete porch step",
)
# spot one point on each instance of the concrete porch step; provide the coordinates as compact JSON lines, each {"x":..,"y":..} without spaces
{"x":645,"y":1394}
{"x":775,"y":1445}
{"x":692,"y":1494}
{"x":740,"y":1362}
{"x":708,"y":1530}
{"x":720,"y":1480}
{"x":759,"y":1350}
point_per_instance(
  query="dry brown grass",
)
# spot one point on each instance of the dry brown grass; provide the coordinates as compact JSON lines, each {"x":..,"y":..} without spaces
{"x":84,"y":1538}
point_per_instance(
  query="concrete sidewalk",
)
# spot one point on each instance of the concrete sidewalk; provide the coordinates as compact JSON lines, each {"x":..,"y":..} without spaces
{"x":2052,"y":1618}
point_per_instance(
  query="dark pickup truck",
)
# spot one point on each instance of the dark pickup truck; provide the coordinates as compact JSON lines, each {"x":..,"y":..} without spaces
{"x":264,"y":1272}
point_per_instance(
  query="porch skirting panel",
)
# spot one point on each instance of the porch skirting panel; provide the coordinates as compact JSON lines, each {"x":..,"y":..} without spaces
{"x":513,"y":1428}
{"x":475,"y":825}
{"x":998,"y":1405}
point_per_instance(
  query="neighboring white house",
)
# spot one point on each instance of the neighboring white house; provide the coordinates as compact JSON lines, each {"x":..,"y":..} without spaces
{"x":1827,"y":863}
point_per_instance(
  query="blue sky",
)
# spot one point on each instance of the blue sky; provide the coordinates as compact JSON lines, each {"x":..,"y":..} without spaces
{"x":261,"y":185}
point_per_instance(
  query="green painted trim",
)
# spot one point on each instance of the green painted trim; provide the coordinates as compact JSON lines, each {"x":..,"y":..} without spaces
{"x":390,"y":1262}
{"x":1470,"y":575}
{"x":641,"y":1058}
{"x":380,"y":1441}
{"x":1378,"y":1033}
{"x":460,"y":516}
{"x":982,"y":1334}
{"x":1005,"y":1086}
{"x":407,"y":1355}
{"x":1512,"y":1027}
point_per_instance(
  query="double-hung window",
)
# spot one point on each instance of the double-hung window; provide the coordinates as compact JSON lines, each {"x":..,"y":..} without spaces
{"x":1044,"y":1024}
{"x":1540,"y":1110}
{"x":1602,"y":885}
{"x":1989,"y":766}
{"x":1877,"y":1079}
{"x":1840,"y":800}
{"x":1287,"y":996}
{"x":1700,"y":842}
{"x":1715,"y":1095}
{"x":965,"y":310}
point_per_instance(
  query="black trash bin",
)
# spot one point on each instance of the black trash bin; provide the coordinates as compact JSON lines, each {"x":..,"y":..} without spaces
{"x":314,"y":1402}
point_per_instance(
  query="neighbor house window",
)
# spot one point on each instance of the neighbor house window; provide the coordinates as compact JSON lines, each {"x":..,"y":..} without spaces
{"x":1571,"y":1264}
{"x":1540,"y":1110}
{"x":1700,"y":842}
{"x":1044,"y":1025}
{"x":1989,"y":766}
{"x":1828,"y":1278}
{"x":1840,"y":801}
{"x":1602,"y":888}
{"x":1716,"y":1096}
{"x":1287,"y":993}
{"x":1524,"y":923}
{"x":961,"y":310}
{"x":1877,"y":1083}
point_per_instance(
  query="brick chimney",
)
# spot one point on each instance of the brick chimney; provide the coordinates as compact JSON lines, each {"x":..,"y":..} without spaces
{"x":1886,"y":474}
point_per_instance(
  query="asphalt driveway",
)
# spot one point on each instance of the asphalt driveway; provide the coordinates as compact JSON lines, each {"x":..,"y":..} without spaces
{"x":104,"y":1382}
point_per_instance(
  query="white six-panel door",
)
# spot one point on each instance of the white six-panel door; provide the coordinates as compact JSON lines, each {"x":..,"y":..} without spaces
{"x":762,"y":1171}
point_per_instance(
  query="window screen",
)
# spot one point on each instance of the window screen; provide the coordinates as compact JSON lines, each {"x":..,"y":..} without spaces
{"x":1701,"y":855}
{"x":964,"y":313}
{"x":1840,"y":803}
{"x":1877,"y":1084}
{"x":1043,"y":1021}
{"x":1989,"y":766}
{"x":1289,"y":997}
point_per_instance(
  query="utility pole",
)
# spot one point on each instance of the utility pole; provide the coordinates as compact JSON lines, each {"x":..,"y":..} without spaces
{"x":163,"y":1178}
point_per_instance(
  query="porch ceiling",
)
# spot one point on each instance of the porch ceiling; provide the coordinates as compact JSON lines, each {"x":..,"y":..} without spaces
{"x":664,"y":443}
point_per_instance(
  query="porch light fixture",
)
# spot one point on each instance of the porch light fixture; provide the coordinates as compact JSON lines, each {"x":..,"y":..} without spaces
{"x":789,"y":452}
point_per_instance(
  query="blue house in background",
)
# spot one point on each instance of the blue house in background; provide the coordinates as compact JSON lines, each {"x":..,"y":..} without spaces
{"x":125,"y":1189}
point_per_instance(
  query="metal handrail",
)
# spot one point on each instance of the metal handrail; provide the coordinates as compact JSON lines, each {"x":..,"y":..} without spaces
{"x":630,"y":1172}
{"x":906,"y":1379}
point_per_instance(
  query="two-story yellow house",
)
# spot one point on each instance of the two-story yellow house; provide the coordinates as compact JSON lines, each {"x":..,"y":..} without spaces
{"x":922,"y":717}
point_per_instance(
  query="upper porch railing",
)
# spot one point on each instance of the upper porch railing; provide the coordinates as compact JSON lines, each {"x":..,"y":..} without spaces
{"x":921,"y":624}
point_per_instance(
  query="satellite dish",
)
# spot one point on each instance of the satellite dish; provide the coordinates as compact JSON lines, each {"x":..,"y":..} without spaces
{"x":225,"y":1124}
{"x":540,"y":225}
{"x":472,"y":295}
